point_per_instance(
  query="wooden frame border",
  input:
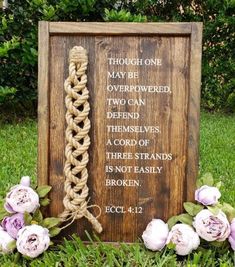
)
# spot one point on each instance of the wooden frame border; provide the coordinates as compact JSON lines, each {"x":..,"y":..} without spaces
{"x":43,"y":104}
{"x":126,"y":28}
{"x":194,"y":30}
{"x":194,"y":109}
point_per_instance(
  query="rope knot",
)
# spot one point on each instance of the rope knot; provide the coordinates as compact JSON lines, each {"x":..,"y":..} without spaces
{"x":78,"y":55}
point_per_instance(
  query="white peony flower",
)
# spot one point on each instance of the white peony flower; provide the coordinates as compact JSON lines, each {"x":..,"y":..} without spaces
{"x":184,"y":238}
{"x":21,"y":199}
{"x":5,"y":240}
{"x":32,"y":240}
{"x":212,"y":227}
{"x":155,"y":235}
{"x":207,"y":195}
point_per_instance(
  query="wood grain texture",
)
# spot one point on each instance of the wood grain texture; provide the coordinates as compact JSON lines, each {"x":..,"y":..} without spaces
{"x":176,"y":114}
{"x":43,"y":103}
{"x":58,"y":59}
{"x":115,"y":28}
{"x":194,"y":109}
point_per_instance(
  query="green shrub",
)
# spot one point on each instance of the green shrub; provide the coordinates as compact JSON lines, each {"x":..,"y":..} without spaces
{"x":218,"y":68}
{"x":7,"y":94}
{"x":18,"y":37}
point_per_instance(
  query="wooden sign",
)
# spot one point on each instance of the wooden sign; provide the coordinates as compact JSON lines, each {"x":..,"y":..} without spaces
{"x":144,"y":90}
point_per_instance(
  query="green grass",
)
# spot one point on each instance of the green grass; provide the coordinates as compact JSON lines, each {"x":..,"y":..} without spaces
{"x":74,"y":253}
{"x":217,"y":151}
{"x":18,"y":153}
{"x":18,"y":142}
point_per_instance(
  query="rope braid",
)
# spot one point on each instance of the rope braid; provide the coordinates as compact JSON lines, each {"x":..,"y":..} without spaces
{"x":77,"y":141}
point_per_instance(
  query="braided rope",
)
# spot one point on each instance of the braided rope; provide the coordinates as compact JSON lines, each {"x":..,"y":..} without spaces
{"x":78,"y":140}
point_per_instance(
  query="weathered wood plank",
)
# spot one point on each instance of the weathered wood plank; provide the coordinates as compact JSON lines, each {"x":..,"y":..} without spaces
{"x":115,"y":28}
{"x":58,"y":59}
{"x":43,"y":103}
{"x":194,"y":109}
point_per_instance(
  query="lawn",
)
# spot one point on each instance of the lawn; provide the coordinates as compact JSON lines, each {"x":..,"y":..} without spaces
{"x":18,"y":154}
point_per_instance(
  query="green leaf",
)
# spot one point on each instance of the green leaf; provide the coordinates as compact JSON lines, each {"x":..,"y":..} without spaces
{"x":172,"y":221}
{"x":3,"y":214}
{"x":44,"y":202}
{"x":6,"y":46}
{"x":192,"y":209}
{"x":27,"y":218}
{"x":123,"y":15}
{"x":217,"y":244}
{"x":51,"y":222}
{"x":214,"y":209}
{"x":218,"y":185}
{"x":12,"y":245}
{"x":207,"y":179}
{"x":43,"y":190}
{"x":7,"y":93}
{"x":2,"y":209}
{"x":17,"y":257}
{"x":54,"y":231}
{"x":199,"y":183}
{"x":27,"y":258}
{"x":228,"y":210}
{"x":37,"y":216}
{"x":185,"y":218}
{"x":171,"y":245}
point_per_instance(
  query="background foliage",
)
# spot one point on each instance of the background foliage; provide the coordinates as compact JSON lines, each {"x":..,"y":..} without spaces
{"x":18,"y":41}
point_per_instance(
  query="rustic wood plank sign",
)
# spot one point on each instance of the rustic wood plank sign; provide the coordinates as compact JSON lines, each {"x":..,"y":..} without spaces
{"x":144,"y":90}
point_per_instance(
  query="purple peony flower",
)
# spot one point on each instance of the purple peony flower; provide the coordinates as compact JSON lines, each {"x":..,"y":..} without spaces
{"x":207,"y":195}
{"x":184,"y":238}
{"x":231,"y":238}
{"x":21,"y":199}
{"x":212,"y":227}
{"x":32,"y":240}
{"x":13,"y":224}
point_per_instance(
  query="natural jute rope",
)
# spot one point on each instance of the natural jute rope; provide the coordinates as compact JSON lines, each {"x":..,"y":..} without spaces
{"x":78,"y":141}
